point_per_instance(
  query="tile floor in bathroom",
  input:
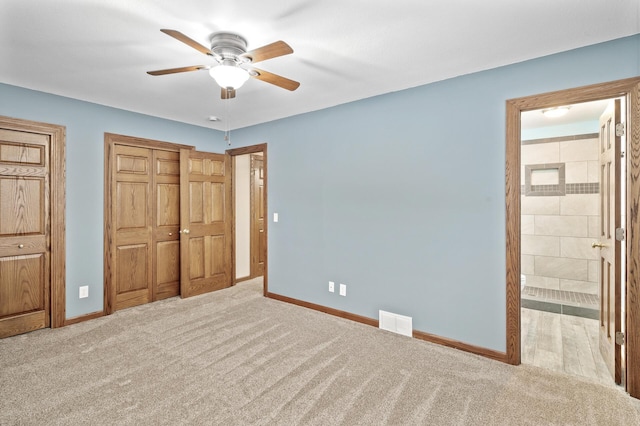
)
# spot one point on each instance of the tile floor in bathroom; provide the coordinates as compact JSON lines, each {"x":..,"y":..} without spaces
{"x":563,"y":343}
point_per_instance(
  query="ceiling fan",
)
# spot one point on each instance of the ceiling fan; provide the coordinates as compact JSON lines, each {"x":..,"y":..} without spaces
{"x":234,"y":62}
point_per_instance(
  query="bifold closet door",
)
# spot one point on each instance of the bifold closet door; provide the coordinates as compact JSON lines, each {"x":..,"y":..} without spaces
{"x":132,"y":202}
{"x":166,"y":219}
{"x":146,"y":191}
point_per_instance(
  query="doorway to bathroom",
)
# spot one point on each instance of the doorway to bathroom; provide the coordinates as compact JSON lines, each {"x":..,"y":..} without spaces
{"x":250,"y":206}
{"x":570,"y":202}
{"x":618,"y":313}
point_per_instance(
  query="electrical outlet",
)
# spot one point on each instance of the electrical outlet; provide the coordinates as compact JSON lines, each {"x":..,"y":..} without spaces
{"x":343,"y":289}
{"x":332,"y":286}
{"x":84,"y":291}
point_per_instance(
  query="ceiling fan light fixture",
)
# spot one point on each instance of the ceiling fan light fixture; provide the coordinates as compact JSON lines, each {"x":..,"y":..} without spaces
{"x":229,"y":76}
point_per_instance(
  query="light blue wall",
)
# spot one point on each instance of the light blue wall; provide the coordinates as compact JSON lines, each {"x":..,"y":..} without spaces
{"x":86,"y":124}
{"x":401,"y":196}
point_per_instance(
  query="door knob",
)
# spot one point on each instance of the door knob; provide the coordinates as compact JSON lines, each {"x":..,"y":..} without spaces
{"x":170,"y":233}
{"x":20,"y":245}
{"x":598,"y":245}
{"x":184,"y":231}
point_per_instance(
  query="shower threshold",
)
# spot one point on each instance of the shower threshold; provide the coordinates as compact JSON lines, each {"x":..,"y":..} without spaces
{"x":573,"y":303}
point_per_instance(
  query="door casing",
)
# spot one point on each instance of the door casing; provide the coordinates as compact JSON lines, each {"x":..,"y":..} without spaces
{"x":630,"y":90}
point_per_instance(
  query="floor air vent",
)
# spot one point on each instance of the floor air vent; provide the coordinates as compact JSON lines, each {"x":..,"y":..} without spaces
{"x":396,"y":323}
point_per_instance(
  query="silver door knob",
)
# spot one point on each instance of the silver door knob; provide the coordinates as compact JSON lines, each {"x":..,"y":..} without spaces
{"x":184,"y":231}
{"x":598,"y":245}
{"x":20,"y":245}
{"x":170,"y":233}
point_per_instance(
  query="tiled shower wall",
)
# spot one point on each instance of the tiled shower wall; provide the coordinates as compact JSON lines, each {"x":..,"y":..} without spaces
{"x":560,"y":212}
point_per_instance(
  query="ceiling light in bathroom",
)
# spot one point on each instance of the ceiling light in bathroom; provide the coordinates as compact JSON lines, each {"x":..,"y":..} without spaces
{"x":555,"y":111}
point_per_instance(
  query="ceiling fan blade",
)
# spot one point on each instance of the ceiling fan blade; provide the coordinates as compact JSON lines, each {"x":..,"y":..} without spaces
{"x":186,"y":40}
{"x":275,"y":79}
{"x":176,"y":70}
{"x":227,"y":93}
{"x":273,"y":50}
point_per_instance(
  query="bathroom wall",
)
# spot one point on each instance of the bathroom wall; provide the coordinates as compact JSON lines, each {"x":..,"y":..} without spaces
{"x":560,"y":212}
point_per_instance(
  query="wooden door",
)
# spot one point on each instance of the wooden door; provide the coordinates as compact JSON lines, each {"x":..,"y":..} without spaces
{"x":24,"y":232}
{"x":205,"y":212}
{"x":258,"y":240}
{"x":145,"y":219}
{"x":166,"y":214}
{"x":609,"y":246}
{"x":132,"y":204}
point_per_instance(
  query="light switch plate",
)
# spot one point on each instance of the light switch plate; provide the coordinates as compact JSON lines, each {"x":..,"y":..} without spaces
{"x":83,"y":292}
{"x":275,"y":217}
{"x":343,"y":289}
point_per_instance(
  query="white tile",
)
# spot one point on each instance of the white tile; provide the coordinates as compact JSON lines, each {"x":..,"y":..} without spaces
{"x":594,"y":271}
{"x":558,"y":267}
{"x":540,"y":245}
{"x":526,"y":264}
{"x":579,"y":286}
{"x":540,"y":205}
{"x":594,"y":226}
{"x":579,"y":150}
{"x":569,"y":226}
{"x":540,"y":153}
{"x":579,"y":204}
{"x":593,"y":171}
{"x":543,"y":282}
{"x":575,"y":172}
{"x":577,"y":248}
{"x":527,"y":224}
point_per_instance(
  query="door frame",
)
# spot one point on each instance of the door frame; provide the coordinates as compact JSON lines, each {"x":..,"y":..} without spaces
{"x":57,"y":197}
{"x":110,"y":140}
{"x":241,"y":151}
{"x":630,"y":90}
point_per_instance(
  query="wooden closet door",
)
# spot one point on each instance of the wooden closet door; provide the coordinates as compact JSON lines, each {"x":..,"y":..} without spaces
{"x":24,"y":232}
{"x":166,"y":213}
{"x":133,"y":226}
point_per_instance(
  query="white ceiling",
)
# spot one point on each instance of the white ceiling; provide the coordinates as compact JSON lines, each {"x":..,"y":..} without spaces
{"x":345,"y":50}
{"x":585,"y":111}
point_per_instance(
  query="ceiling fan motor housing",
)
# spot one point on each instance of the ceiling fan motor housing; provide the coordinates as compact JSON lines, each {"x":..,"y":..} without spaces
{"x":229,"y":47}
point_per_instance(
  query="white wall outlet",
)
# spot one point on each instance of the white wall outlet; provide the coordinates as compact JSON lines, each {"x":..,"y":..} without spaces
{"x":84,"y":291}
{"x":343,"y":289}
{"x":275,"y":217}
{"x":332,"y":286}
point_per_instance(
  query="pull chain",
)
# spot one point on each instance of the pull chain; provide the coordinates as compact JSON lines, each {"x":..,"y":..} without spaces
{"x":227,"y":133}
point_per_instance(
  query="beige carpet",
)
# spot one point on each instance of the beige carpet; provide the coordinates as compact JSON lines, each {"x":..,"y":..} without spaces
{"x":235,"y":358}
